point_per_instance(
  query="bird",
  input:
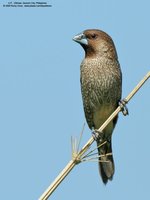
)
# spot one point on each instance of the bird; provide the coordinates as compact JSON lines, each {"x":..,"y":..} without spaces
{"x":101,"y":88}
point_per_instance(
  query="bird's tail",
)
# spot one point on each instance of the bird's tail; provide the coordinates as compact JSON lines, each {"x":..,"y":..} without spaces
{"x":106,"y":162}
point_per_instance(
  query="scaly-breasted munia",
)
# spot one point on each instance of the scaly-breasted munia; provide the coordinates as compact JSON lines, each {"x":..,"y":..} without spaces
{"x":101,"y":86}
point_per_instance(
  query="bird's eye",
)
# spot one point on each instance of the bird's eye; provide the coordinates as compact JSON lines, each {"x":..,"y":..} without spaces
{"x":93,"y":36}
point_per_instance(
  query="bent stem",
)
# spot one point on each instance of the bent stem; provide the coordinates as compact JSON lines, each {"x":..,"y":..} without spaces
{"x":77,"y":159}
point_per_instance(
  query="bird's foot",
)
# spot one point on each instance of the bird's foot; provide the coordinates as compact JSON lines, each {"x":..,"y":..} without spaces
{"x":124,"y":109}
{"x":97,"y":135}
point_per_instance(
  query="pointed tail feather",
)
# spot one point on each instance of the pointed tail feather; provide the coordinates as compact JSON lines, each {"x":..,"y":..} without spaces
{"x":106,"y":163}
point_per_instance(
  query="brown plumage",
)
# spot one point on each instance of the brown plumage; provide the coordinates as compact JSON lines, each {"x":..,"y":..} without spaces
{"x":101,"y":83}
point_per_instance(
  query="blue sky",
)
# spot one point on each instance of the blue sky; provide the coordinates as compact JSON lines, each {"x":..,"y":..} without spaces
{"x":41,"y":105}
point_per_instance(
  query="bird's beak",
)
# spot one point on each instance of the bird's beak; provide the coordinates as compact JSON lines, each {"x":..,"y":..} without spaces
{"x":80,"y":38}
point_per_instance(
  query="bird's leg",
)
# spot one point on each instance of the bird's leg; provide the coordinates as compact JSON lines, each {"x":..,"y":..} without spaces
{"x":97,"y":135}
{"x":124,"y":109}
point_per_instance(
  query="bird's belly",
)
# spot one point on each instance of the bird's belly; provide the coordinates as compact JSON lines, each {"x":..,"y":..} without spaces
{"x":101,"y":115}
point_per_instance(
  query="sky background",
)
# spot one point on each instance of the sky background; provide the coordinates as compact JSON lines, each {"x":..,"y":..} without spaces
{"x":41,"y":104}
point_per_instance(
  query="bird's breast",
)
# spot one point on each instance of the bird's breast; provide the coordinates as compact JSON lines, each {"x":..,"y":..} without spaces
{"x":101,"y":89}
{"x":100,"y":81}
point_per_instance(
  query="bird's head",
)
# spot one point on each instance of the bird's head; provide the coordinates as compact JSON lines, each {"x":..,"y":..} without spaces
{"x":96,"y":43}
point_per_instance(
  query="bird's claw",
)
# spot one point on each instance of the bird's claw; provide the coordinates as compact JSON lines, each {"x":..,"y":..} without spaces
{"x":97,"y":135}
{"x":123,"y":107}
